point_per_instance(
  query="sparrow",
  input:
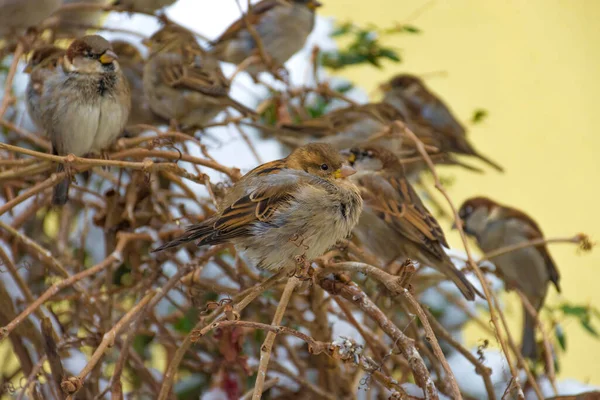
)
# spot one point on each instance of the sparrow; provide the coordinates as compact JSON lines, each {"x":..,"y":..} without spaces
{"x":18,"y":15}
{"x":530,"y":269}
{"x":43,"y":63}
{"x":132,"y":63}
{"x":182,"y":82}
{"x":282,"y":25}
{"x":425,"y":109}
{"x":297,"y":206}
{"x":147,"y":6}
{"x":85,"y":105}
{"x":354,"y":125}
{"x":395,"y":223}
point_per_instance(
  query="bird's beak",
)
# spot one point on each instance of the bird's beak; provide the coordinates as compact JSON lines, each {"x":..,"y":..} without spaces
{"x":314,"y":4}
{"x":344,"y":172}
{"x":384,"y":87}
{"x":108,"y":57}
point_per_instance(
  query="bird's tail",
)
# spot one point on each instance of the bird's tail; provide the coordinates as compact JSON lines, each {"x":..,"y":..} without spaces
{"x":245,"y":111}
{"x":198,"y":232}
{"x":488,"y":161}
{"x":61,"y":191}
{"x":461,"y":281}
{"x":528,"y":345}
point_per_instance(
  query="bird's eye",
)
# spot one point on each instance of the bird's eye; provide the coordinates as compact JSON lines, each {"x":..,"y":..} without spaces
{"x":365,"y":154}
{"x":324,"y":167}
{"x":469,"y":209}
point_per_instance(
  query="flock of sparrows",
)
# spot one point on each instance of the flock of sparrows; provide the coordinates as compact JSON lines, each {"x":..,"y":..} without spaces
{"x":356,"y":179}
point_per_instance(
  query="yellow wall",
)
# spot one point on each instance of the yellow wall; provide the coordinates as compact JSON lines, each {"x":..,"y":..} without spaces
{"x":535,"y":65}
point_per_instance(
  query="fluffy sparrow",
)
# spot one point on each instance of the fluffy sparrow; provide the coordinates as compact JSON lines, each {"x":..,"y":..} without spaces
{"x":297,"y":206}
{"x":85,"y":105}
{"x":424,"y":109}
{"x":184,"y":83}
{"x":530,"y":269}
{"x":148,"y":6}
{"x":282,"y":25}
{"x":42,"y":64}
{"x":395,"y":223}
{"x":132,"y":63}
{"x":18,"y":15}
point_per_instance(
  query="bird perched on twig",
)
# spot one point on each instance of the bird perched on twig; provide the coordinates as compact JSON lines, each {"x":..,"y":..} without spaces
{"x":42,"y":64}
{"x":132,"y":63}
{"x":531,"y":269}
{"x":395,"y":223}
{"x":297,"y":206}
{"x":282,"y":26}
{"x":423,"y":108}
{"x":184,"y":83}
{"x":85,"y":104}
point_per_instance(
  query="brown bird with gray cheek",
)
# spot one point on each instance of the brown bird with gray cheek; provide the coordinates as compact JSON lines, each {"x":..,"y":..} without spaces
{"x":425,"y":109}
{"x":85,"y":104}
{"x":395,"y":223}
{"x":183,"y":82}
{"x":531,"y":269}
{"x":297,"y":206}
{"x":282,"y":25}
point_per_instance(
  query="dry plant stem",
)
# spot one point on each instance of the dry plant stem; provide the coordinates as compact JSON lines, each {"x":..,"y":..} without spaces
{"x":32,"y":376}
{"x":356,"y":296}
{"x":268,"y":385}
{"x":481,"y":369}
{"x":246,"y":298}
{"x":255,"y":36}
{"x":471,"y":262}
{"x":108,"y":341}
{"x":267,"y":346}
{"x":320,"y":393}
{"x":32,"y":137}
{"x":70,"y":281}
{"x":6,"y":99}
{"x":546,"y":340}
{"x":246,"y":138}
{"x":507,"y":249}
{"x":432,"y":339}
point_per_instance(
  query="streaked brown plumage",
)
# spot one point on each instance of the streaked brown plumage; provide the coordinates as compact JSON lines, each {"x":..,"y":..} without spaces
{"x":530,"y":269}
{"x":395,"y":223}
{"x":182,"y":82}
{"x":297,"y":206}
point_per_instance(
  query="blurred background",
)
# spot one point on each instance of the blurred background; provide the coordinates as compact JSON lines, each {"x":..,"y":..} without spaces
{"x":533,"y":66}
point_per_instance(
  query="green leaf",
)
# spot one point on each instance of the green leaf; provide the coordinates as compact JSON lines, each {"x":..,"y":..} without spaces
{"x":410,"y":29}
{"x":140,"y":344}
{"x":588,"y":327}
{"x":479,"y":115}
{"x":389,"y":54}
{"x":573,"y":310}
{"x":560,"y":337}
{"x":186,"y":323}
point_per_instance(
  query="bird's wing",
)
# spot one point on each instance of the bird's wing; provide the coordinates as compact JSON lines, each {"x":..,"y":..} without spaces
{"x":395,"y":201}
{"x":256,"y":13}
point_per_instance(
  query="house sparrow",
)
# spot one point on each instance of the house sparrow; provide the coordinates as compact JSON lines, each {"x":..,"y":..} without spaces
{"x":410,"y":95}
{"x":42,"y":64}
{"x":530,"y":269}
{"x":297,"y":206}
{"x":148,"y":6}
{"x":184,"y":83}
{"x":282,"y":25}
{"x":85,"y":105}
{"x":354,"y":125}
{"x":395,"y":223}
{"x":132,"y":63}
{"x":18,"y":15}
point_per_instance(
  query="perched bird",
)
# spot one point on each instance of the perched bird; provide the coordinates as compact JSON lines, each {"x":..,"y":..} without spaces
{"x":85,"y":105}
{"x":43,"y":63}
{"x":297,"y":206}
{"x":530,"y":269}
{"x":395,"y":223}
{"x":18,"y":15}
{"x":148,"y":6}
{"x":184,"y":83}
{"x":132,"y":63}
{"x":423,"y":108}
{"x":282,"y":26}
